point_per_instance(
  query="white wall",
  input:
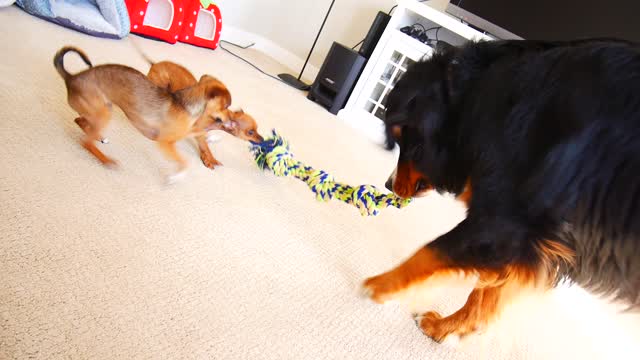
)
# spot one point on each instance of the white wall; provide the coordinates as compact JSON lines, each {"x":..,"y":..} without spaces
{"x":293,"y":24}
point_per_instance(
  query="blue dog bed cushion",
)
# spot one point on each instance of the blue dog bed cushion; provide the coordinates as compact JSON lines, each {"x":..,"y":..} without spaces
{"x":104,"y":18}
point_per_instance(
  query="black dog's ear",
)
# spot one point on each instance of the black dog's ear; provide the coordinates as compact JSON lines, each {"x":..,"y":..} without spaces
{"x":443,"y":47}
{"x":455,"y":79}
{"x":450,"y":60}
{"x":469,"y":61}
{"x":401,"y":100}
{"x":422,"y":95}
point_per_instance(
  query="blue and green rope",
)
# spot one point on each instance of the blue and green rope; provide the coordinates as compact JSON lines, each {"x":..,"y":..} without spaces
{"x":273,"y":154}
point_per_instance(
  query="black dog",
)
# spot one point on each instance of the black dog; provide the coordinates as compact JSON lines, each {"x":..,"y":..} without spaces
{"x":542,"y":141}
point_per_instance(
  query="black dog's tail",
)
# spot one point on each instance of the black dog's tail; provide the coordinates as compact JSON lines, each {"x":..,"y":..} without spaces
{"x":58,"y":60}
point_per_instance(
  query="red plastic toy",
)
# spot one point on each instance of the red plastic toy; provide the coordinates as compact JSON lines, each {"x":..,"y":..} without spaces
{"x":176,"y":20}
{"x":201,"y":26}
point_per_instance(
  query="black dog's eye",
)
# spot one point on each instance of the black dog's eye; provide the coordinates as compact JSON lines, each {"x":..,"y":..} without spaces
{"x":218,"y":120}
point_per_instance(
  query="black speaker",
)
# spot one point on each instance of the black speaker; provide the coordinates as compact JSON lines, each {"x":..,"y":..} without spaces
{"x":337,"y":77}
{"x":374,"y":34}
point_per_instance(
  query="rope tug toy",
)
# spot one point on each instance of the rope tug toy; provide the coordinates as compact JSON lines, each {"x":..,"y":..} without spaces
{"x":273,"y":153}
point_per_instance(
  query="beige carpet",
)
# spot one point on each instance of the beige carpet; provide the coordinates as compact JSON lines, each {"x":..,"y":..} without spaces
{"x":229,"y":264}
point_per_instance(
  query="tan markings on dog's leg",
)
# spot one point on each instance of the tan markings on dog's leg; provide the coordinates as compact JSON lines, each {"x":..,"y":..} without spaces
{"x":205,"y":153}
{"x":483,"y":305}
{"x":494,"y":291}
{"x":423,"y":264}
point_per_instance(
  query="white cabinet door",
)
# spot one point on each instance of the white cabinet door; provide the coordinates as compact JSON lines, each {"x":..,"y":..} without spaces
{"x":399,"y":52}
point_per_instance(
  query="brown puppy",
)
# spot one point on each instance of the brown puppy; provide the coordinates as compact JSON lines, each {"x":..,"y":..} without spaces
{"x":175,"y":77}
{"x":156,"y":113}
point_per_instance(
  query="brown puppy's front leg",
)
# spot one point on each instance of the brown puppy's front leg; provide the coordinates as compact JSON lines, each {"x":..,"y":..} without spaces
{"x":171,"y":153}
{"x":205,"y":153}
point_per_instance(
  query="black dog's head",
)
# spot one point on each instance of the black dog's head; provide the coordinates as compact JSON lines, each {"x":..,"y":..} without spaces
{"x":422,"y":112}
{"x":418,"y":120}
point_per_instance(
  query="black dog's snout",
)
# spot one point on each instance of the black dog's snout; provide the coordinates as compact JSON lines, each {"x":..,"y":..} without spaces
{"x":389,"y":184}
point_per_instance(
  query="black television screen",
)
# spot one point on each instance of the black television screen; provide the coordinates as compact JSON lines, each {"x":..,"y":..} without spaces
{"x":555,"y":19}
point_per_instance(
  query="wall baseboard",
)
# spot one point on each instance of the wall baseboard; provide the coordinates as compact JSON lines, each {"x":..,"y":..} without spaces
{"x":271,"y":49}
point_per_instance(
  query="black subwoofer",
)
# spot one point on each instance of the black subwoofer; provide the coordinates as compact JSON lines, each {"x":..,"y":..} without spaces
{"x":337,"y":77}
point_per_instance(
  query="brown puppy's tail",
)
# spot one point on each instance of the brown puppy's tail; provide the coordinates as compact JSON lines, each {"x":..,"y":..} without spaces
{"x":58,"y":60}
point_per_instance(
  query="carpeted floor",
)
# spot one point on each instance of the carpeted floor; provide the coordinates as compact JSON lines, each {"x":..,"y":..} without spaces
{"x":229,"y":264}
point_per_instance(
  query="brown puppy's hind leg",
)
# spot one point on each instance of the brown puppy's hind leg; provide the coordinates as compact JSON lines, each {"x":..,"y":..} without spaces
{"x":171,"y":153}
{"x":205,"y":153}
{"x":84,"y":125}
{"x":96,"y":122}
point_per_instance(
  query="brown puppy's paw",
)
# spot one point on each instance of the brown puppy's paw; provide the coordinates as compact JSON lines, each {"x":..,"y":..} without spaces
{"x":110,"y":163}
{"x":209,"y":161}
{"x":175,"y":178}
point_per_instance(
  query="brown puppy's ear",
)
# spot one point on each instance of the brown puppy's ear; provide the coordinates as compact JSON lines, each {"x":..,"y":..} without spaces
{"x":217,"y":90}
{"x":204,"y":78}
{"x":213,"y":91}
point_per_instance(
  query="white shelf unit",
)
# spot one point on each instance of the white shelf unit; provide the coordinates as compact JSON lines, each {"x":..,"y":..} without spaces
{"x":395,"y":50}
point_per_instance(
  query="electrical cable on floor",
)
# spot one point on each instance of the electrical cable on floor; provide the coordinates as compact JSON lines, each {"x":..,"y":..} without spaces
{"x":356,"y":45}
{"x":433,"y":28}
{"x":238,"y":46}
{"x":247,"y":61}
{"x":277,"y":78}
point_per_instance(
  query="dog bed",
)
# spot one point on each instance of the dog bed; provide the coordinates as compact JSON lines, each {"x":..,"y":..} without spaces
{"x":103,"y":18}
